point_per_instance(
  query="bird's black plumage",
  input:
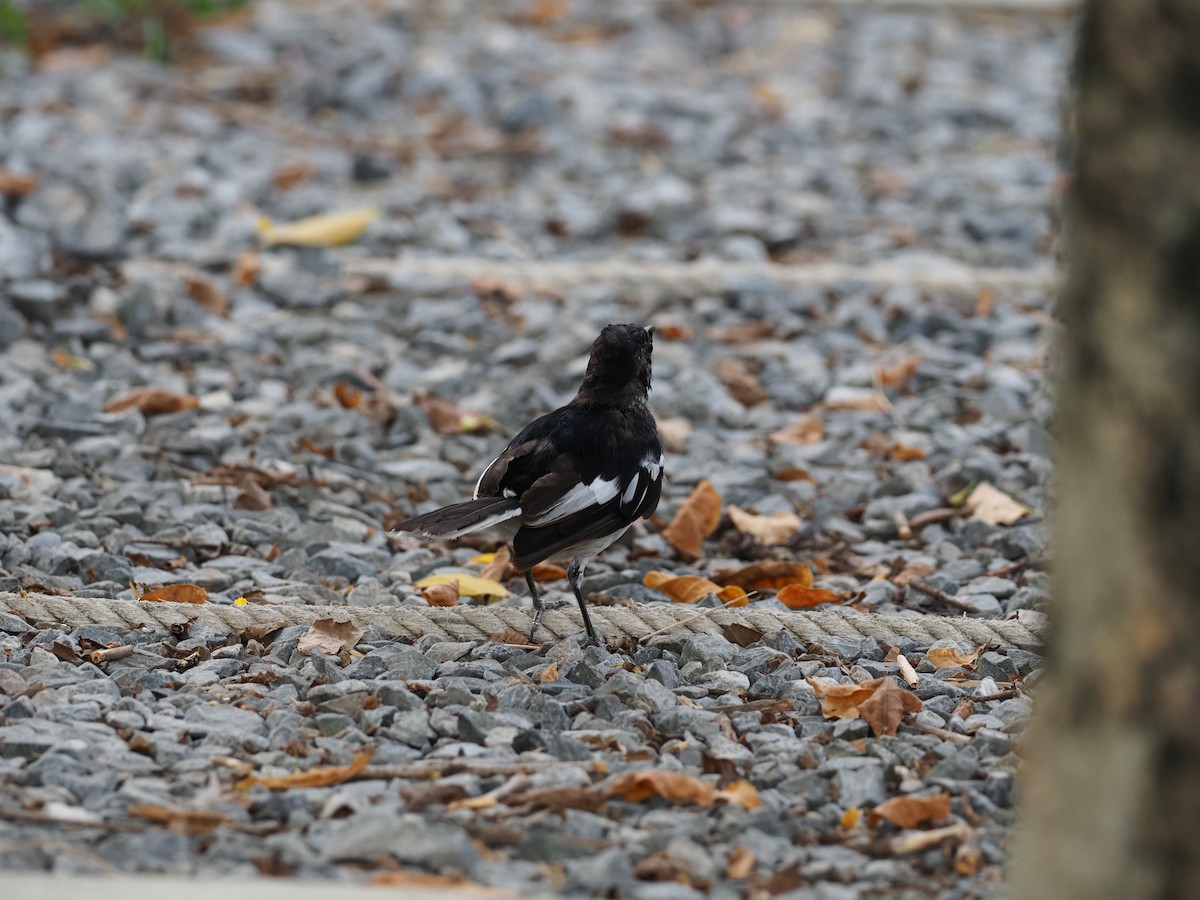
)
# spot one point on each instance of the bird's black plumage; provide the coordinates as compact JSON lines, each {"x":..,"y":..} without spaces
{"x":572,"y":481}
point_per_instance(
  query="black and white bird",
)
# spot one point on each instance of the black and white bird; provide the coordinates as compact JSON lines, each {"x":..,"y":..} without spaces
{"x":571,"y":482}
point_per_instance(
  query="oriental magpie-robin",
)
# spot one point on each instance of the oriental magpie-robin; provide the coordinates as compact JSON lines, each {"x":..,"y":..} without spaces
{"x":571,"y":482}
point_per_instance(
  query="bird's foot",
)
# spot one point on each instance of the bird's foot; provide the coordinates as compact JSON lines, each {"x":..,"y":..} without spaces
{"x":540,"y":608}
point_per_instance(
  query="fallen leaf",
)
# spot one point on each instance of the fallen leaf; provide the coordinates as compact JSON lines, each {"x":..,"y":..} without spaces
{"x":886,"y":708}
{"x":496,"y":287}
{"x":176,"y":593}
{"x":899,"y":372}
{"x":206,"y":293}
{"x":769,"y":101}
{"x":742,"y":793}
{"x":984,"y":301}
{"x":496,"y":568}
{"x":17,"y":184}
{"x":742,"y":635}
{"x":697,"y":519}
{"x":740,"y":865}
{"x":550,"y":673}
{"x":544,"y":12}
{"x":991,"y":505}
{"x":330,"y":636}
{"x":348,"y":397}
{"x":805,"y":430}
{"x":904,"y":452}
{"x":853,"y":399}
{"x":851,"y":818}
{"x":913,"y":571}
{"x":152,"y":402}
{"x":261,"y":630}
{"x":795,"y":596}
{"x":547,"y":571}
{"x":674,"y":787}
{"x":947,"y":655}
{"x":766,"y":576}
{"x":325,"y":230}
{"x":784,"y":879}
{"x":247,"y":268}
{"x":447,"y":417}
{"x":180,"y":821}
{"x":768,"y":530}
{"x":674,"y":331}
{"x":510,"y":636}
{"x":292,"y":173}
{"x":318,"y":776}
{"x":744,"y":332}
{"x":484,"y":801}
{"x":675,"y":433}
{"x":741,"y":382}
{"x":468,"y":585}
{"x":67,"y":360}
{"x":841,"y":701}
{"x":441,"y":594}
{"x":910,"y":811}
{"x":691,"y":588}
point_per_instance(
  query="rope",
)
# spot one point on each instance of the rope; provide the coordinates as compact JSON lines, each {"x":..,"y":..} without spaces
{"x":691,"y":279}
{"x":475,"y":623}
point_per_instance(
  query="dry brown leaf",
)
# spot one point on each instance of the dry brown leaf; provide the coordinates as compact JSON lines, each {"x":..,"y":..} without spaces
{"x":984,"y":301}
{"x":544,"y":12}
{"x":674,"y":331}
{"x":444,"y":594}
{"x":741,"y":382}
{"x":17,"y":184}
{"x":207,"y":293}
{"x":675,"y":433}
{"x":697,"y":519}
{"x":768,"y":530}
{"x":904,"y":453}
{"x":510,"y":636}
{"x":911,"y":811}
{"x":740,"y":865}
{"x":899,"y":372}
{"x":770,"y":575}
{"x":841,"y":701}
{"x":330,"y":636}
{"x":180,"y":821}
{"x":770,"y":103}
{"x":795,"y":596}
{"x":674,"y":787}
{"x":742,"y":635}
{"x":447,"y":417}
{"x":176,"y":593}
{"x":948,"y":656}
{"x":348,"y":397}
{"x":496,"y":287}
{"x":152,"y":402}
{"x":886,"y":708}
{"x":851,"y":818}
{"x":247,"y":268}
{"x":741,"y":792}
{"x":292,"y":173}
{"x":805,"y":430}
{"x":991,"y":505}
{"x":319,"y":776}
{"x":915,"y":570}
{"x":746,"y":332}
{"x":691,"y":588}
{"x":550,"y":673}
{"x":548,"y":571}
{"x":497,"y":567}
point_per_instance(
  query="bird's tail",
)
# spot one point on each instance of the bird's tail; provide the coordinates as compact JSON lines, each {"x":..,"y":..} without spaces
{"x":463,"y":518}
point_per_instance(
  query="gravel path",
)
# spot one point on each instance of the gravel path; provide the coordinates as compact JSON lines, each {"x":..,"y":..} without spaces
{"x":312,"y":407}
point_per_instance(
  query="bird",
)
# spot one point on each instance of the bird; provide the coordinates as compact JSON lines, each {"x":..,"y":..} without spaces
{"x":571,"y":482}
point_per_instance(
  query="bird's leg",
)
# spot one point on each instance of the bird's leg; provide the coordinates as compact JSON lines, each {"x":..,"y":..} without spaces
{"x":575,"y":577}
{"x":538,"y":607}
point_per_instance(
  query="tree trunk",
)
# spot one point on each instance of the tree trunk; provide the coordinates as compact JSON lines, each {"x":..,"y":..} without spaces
{"x":1112,"y":791}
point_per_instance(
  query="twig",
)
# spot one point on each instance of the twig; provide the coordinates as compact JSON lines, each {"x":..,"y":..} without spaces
{"x":918,"y":841}
{"x":902,"y":525}
{"x":907,"y":672}
{"x":933,"y":516}
{"x":941,"y":732}
{"x":700,"y":615}
{"x":943,"y":597}
{"x":110,"y":654}
{"x":452,"y":766}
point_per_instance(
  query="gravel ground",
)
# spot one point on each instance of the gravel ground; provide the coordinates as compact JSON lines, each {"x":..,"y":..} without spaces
{"x":653,"y":131}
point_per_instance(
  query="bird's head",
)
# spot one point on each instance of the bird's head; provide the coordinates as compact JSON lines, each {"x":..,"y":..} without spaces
{"x":618,"y":369}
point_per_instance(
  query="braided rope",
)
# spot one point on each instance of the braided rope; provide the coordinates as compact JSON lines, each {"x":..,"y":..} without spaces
{"x":690,"y":279}
{"x":475,"y":623}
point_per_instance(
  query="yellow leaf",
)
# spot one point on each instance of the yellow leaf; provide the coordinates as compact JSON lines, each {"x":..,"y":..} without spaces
{"x":743,"y":793}
{"x":550,"y":673}
{"x":851,"y":818}
{"x":482,"y":558}
{"x":991,"y":505}
{"x":767,"y":530}
{"x":325,"y":230}
{"x":65,"y":360}
{"x":468,"y":585}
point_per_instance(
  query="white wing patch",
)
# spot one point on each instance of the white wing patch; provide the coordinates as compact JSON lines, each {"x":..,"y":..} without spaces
{"x":583,"y":496}
{"x":653,"y":465}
